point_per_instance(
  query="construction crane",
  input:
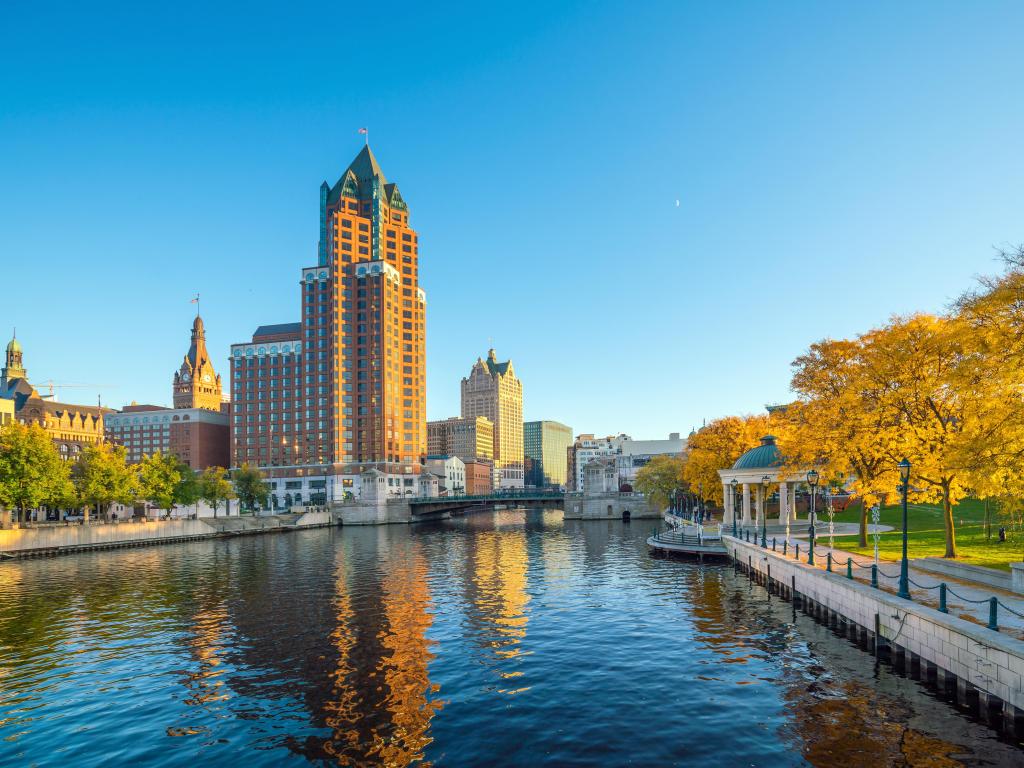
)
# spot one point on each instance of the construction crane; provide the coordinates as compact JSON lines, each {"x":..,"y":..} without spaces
{"x":56,"y":387}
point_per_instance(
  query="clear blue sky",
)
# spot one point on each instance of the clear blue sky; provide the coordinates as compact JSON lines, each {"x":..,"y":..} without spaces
{"x":833,"y":165}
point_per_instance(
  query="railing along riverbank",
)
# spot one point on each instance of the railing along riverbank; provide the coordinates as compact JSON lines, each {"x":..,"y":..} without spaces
{"x":979,"y":668}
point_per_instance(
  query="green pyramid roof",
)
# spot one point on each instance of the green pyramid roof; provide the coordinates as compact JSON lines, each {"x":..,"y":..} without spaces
{"x":358,"y":177}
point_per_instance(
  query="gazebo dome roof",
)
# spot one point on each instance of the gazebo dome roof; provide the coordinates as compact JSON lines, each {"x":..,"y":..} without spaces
{"x":764,"y":456}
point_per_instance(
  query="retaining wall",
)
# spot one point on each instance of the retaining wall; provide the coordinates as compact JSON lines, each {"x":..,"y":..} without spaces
{"x":99,"y":535}
{"x":979,"y":666}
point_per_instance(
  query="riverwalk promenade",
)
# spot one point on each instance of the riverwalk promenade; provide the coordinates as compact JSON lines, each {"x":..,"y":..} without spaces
{"x":967,"y":599}
{"x":975,"y":661}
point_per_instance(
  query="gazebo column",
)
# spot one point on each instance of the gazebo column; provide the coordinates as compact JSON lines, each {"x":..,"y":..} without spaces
{"x":783,"y":503}
{"x":746,"y":503}
{"x":726,"y":505}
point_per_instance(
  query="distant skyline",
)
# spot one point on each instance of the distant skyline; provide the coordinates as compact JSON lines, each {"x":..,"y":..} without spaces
{"x":832,"y":166}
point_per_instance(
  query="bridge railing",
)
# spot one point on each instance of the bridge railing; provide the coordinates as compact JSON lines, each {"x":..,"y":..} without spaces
{"x":504,"y":495}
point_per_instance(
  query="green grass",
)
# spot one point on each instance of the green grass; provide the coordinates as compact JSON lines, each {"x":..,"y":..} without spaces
{"x":927,"y":536}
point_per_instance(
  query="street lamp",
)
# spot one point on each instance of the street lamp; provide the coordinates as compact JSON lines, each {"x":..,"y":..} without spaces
{"x":733,"y":484}
{"x":904,"y":590}
{"x":812,"y":480}
{"x":764,"y":511}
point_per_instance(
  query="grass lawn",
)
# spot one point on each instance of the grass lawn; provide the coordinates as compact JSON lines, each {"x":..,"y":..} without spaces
{"x":928,"y":537}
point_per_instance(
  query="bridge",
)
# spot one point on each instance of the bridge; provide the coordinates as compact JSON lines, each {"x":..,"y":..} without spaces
{"x":424,"y":506}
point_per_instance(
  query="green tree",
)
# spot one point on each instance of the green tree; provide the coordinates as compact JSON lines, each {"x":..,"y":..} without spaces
{"x":32,"y":472}
{"x":659,"y":477}
{"x":188,"y":491}
{"x":101,"y":477}
{"x":214,"y":487}
{"x":250,"y":487}
{"x":159,"y":478}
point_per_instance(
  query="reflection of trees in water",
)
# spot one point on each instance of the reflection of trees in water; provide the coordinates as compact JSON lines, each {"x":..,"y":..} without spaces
{"x":851,"y":724}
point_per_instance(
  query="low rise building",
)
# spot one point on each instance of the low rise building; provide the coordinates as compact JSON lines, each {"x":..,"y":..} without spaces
{"x":479,"y":477}
{"x":450,"y":469}
{"x":634,"y":454}
{"x":585,"y":449}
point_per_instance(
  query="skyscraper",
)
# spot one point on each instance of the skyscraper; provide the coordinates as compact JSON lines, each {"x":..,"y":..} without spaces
{"x":344,"y":389}
{"x":493,"y":390}
{"x":545,"y":447}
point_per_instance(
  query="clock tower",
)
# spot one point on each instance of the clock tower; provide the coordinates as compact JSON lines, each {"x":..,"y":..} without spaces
{"x":196,"y":384}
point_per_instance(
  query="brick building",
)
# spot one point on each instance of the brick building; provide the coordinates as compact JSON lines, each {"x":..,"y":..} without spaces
{"x":195,"y":429}
{"x":342,"y":390}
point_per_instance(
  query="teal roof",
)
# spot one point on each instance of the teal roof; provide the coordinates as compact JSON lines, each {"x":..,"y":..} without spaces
{"x":765,"y":456}
{"x":494,"y":367}
{"x":357,"y":180}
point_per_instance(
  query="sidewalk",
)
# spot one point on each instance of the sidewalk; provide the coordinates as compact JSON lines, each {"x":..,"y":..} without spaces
{"x":964,"y":599}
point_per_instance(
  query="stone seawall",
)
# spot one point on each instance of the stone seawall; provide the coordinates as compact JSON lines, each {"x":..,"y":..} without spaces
{"x":63,"y":539}
{"x":45,"y":539}
{"x":981,"y":668}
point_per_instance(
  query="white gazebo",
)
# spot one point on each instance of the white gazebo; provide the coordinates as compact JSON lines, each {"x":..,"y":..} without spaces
{"x":756,"y":466}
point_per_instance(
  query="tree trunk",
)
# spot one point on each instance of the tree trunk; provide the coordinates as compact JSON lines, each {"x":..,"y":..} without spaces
{"x":947,"y":517}
{"x":862,"y":540}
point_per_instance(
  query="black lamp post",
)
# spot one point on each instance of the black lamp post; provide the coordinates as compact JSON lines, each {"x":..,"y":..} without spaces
{"x":812,"y":480}
{"x":904,"y":590}
{"x":764,"y":511}
{"x":733,"y":484}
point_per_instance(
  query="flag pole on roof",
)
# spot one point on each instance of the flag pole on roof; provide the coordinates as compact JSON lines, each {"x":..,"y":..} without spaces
{"x":366,"y":134}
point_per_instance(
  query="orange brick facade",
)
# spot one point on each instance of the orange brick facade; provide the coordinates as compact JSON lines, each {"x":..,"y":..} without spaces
{"x":342,"y":390}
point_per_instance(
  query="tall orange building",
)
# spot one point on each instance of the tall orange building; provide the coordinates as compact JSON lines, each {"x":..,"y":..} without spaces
{"x":344,"y":389}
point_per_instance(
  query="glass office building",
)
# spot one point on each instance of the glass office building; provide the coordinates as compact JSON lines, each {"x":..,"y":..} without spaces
{"x":545,"y":452}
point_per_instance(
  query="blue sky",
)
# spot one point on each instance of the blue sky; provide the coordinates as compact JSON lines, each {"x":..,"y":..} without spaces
{"x":833,"y":163}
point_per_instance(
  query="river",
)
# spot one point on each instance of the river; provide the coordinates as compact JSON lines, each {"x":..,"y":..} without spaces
{"x":507,"y":638}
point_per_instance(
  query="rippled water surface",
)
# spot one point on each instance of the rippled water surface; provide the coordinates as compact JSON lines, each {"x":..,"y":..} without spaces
{"x":511,"y":638}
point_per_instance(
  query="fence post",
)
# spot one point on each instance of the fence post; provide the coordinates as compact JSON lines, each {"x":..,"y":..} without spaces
{"x":773,"y":543}
{"x":849,"y":568}
{"x":798,"y":550}
{"x":785,"y":545}
{"x":993,"y":618}
{"x":874,"y":576}
{"x":828,"y":562}
{"x":942,"y":598}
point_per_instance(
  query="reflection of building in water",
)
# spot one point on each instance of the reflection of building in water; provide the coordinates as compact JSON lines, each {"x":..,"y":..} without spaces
{"x":499,"y":593}
{"x":207,"y":646}
{"x":379,"y":704}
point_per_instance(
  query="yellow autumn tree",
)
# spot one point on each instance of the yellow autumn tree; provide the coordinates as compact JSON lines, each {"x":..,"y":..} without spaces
{"x":716,"y":446}
{"x":989,"y":324}
{"x":911,"y":368}
{"x":836,"y":424}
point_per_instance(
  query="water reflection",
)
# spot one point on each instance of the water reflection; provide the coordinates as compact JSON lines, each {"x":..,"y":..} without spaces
{"x":513,"y":638}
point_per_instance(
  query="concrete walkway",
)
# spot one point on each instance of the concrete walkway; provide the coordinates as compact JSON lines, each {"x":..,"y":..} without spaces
{"x":923,"y":586}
